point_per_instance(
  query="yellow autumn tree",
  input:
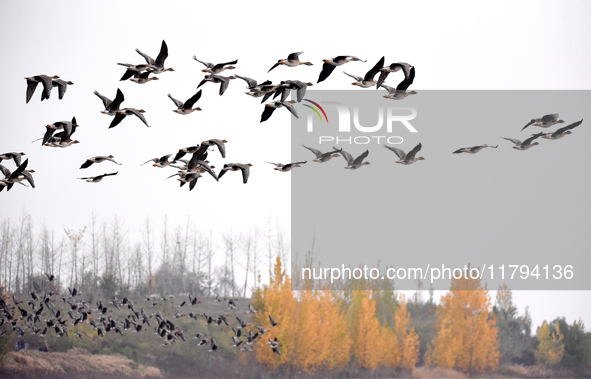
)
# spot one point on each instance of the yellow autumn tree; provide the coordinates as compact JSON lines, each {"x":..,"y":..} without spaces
{"x":466,"y":333}
{"x":275,"y":300}
{"x":408,"y":339}
{"x":366,"y":332}
{"x":312,"y":331}
{"x":551,"y":348}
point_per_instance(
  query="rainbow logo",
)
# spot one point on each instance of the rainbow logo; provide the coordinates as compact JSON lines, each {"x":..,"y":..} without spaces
{"x":316,"y":110}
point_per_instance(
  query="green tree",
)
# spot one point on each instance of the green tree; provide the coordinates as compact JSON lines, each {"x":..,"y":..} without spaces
{"x":109,"y":285}
{"x":514,"y":330}
{"x":551,"y":348}
{"x":577,"y":343}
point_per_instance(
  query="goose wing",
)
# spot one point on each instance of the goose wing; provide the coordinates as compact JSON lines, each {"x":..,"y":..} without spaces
{"x":31,"y":86}
{"x":411,"y":154}
{"x":116,"y":120}
{"x":358,"y":78}
{"x":550,"y":117}
{"x":404,"y":84}
{"x":149,"y":60}
{"x":318,"y":153}
{"x":291,"y":109}
{"x":279,"y":165}
{"x":533,"y":121}
{"x":208,"y":65}
{"x":515,"y":141}
{"x":400,"y":153}
{"x":192,"y":100}
{"x":245,"y":172}
{"x":327,"y":69}
{"x":139,"y":115}
{"x":267,"y":113}
{"x":568,"y":127}
{"x":275,"y":65}
{"x":224,"y":85}
{"x":62,"y":86}
{"x":220,"y":145}
{"x":382,"y":78}
{"x":360,"y":158}
{"x":87,"y":164}
{"x":47,"y":85}
{"x":372,"y":73}
{"x":179,"y":104}
{"x":250,"y":82}
{"x":348,"y":157}
{"x":294,"y":55}
{"x":116,"y":103}
{"x":161,"y":56}
{"x":106,"y":100}
{"x":533,"y":137}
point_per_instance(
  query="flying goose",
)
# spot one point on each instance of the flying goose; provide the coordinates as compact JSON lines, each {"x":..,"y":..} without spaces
{"x":270,"y":108}
{"x":47,"y":85}
{"x":219,"y":143}
{"x":96,"y":179}
{"x":120,"y":115}
{"x":287,"y":85}
{"x":12,"y":155}
{"x":473,"y":149}
{"x":98,"y":159}
{"x":144,"y":77}
{"x":69,"y":127}
{"x":400,"y":92}
{"x":196,"y":165}
{"x":62,"y":86}
{"x":222,"y":80}
{"x":111,"y":106}
{"x":285,"y":168}
{"x":251,"y":83}
{"x":187,"y":106}
{"x":409,"y":158}
{"x":545,"y":122}
{"x":156,"y":66}
{"x":558,"y":134}
{"x":292,"y":60}
{"x":330,"y":64}
{"x":216,"y":68}
{"x":353,"y":163}
{"x":525,"y":144}
{"x":369,"y":79}
{"x":160,"y":162}
{"x":200,"y":150}
{"x":320,"y":156}
{"x":394,"y":67}
{"x":245,"y":168}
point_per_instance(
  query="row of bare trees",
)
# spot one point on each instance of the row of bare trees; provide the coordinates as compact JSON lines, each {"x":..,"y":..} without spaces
{"x":106,"y":257}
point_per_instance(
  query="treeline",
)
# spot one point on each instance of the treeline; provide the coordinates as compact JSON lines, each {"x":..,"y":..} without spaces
{"x":100,"y":259}
{"x":378,"y":331}
{"x":347,"y":330}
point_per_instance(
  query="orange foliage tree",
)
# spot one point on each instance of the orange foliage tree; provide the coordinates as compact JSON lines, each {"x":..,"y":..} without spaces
{"x":466,"y":333}
{"x":311,"y":330}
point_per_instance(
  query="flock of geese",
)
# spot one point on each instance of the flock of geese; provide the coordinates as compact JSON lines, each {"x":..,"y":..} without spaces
{"x":410,"y":157}
{"x":60,"y":133}
{"x":43,"y":313}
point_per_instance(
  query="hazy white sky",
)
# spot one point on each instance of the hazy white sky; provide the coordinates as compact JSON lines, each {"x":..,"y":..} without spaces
{"x":453,"y":45}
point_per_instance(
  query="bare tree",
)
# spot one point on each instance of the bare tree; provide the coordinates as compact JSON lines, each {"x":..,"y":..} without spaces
{"x":148,"y":240}
{"x":75,"y":242}
{"x":230,"y":243}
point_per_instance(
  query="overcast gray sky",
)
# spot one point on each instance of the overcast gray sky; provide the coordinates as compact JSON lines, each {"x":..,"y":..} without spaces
{"x":454,"y":45}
